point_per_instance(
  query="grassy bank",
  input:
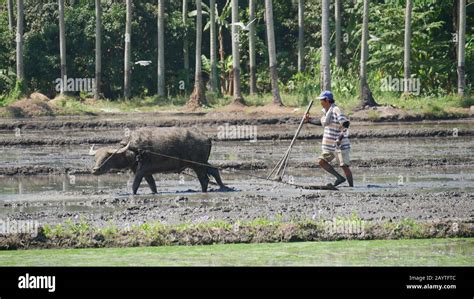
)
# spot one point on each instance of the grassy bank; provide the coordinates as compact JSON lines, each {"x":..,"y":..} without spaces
{"x":422,"y":106}
{"x":421,"y":252}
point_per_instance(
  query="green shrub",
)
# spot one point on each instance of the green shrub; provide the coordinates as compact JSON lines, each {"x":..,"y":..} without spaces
{"x":466,"y":102}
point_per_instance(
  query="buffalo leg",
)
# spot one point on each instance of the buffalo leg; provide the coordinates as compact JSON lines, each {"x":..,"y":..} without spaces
{"x":151,"y":182}
{"x":136,"y":182}
{"x":215,"y":173}
{"x":203,"y":178}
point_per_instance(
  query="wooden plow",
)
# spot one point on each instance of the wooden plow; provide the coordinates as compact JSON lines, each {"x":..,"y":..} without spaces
{"x":279,"y":170}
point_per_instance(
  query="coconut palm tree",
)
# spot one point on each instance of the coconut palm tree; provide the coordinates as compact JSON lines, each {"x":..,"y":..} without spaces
{"x":238,"y":98}
{"x":62,"y":45}
{"x":253,"y":66}
{"x":406,"y":57}
{"x":272,"y":52}
{"x":98,"y":48}
{"x":161,"y":48}
{"x":213,"y":45}
{"x":325,"y":58}
{"x":19,"y":41}
{"x":127,"y":54}
{"x":337,"y":8}
{"x":198,"y":97}
{"x":461,"y":47}
{"x":366,"y":98}
{"x":186,"y":44}
{"x":300,"y":35}
{"x":10,"y":14}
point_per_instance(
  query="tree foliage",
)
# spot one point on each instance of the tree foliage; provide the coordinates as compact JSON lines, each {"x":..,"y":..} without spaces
{"x":433,"y":48}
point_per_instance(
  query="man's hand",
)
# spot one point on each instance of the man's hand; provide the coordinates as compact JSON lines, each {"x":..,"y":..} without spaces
{"x":310,"y":120}
{"x":339,"y":139}
{"x":306,"y":118}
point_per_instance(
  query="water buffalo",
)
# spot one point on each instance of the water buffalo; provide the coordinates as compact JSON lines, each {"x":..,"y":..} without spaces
{"x":147,"y":151}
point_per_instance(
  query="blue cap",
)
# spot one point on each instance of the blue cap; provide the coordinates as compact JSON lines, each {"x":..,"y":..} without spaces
{"x":326,"y":95}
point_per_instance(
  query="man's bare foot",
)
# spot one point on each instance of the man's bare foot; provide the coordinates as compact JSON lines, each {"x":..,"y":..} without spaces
{"x":339,"y":181}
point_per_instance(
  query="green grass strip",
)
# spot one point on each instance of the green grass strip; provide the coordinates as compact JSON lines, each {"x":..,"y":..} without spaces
{"x":418,"y":252}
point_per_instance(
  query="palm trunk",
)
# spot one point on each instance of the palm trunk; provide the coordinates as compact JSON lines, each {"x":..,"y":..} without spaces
{"x":366,"y":98}
{"x":406,"y":58}
{"x":161,"y":48}
{"x":98,"y":48}
{"x":461,"y":47}
{"x":127,"y":63}
{"x":325,"y":59}
{"x":272,"y":52}
{"x":62,"y":45}
{"x":455,"y":20}
{"x":300,"y":35}
{"x":213,"y":47}
{"x":253,"y":67}
{"x":224,"y":81}
{"x":19,"y":41}
{"x":186,"y":44}
{"x":230,"y":87}
{"x":10,"y":15}
{"x":238,"y":98}
{"x":198,"y":97}
{"x":337,"y":8}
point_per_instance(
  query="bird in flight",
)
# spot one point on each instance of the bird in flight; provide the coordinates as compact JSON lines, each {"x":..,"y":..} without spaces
{"x":374,"y":38}
{"x":242,"y":25}
{"x":143,"y":62}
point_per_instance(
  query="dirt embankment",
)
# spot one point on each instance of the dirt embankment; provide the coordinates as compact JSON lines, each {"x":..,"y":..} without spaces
{"x":170,"y":119}
{"x":355,"y":134}
{"x":146,"y":119}
{"x":77,"y":237}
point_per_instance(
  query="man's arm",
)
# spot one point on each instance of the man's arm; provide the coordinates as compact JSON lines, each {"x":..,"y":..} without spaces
{"x":314,"y":121}
{"x":343,"y":127}
{"x":325,"y":120}
{"x":311,"y":120}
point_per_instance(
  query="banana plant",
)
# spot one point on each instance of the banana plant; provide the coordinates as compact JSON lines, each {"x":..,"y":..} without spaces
{"x":7,"y":79}
{"x":222,"y":23}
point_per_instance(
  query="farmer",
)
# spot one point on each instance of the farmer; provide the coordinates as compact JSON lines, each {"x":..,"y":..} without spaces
{"x":335,"y":139}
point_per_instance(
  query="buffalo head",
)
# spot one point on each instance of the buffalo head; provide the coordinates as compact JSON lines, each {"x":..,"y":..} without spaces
{"x":107,"y":158}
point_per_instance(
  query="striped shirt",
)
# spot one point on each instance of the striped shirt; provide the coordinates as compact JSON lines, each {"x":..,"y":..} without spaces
{"x":331,"y":122}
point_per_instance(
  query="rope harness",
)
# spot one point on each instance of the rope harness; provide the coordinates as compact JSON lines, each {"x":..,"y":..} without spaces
{"x":201,"y":164}
{"x":329,"y":187}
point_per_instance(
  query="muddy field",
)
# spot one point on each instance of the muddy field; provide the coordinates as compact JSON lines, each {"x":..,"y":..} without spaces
{"x":421,"y":170}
